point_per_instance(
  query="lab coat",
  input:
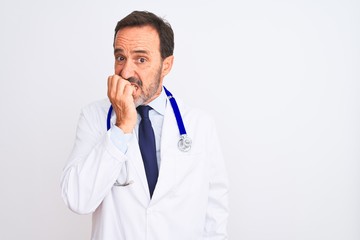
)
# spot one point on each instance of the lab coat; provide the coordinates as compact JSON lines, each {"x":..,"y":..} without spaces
{"x":190,"y":201}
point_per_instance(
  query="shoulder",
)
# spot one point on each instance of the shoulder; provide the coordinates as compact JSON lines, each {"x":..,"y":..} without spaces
{"x":98,"y":106}
{"x":96,"y":111}
{"x":194,"y":115}
{"x":200,"y":126}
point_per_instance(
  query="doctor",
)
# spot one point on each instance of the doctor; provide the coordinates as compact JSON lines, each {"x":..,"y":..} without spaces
{"x":171,"y":186}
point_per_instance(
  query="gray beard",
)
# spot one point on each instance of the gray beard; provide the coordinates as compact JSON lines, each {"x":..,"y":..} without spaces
{"x":151,"y":90}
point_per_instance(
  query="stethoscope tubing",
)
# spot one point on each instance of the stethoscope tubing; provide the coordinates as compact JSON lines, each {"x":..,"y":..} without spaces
{"x":108,"y":121}
{"x":176,"y":110}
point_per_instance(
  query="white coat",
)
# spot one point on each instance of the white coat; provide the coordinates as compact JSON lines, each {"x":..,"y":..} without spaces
{"x":190,"y":201}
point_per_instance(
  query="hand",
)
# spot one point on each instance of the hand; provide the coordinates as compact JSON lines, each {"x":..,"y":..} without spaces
{"x":120,"y":93}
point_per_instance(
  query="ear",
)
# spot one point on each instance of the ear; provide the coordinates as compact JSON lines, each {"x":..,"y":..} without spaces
{"x":167,"y":65}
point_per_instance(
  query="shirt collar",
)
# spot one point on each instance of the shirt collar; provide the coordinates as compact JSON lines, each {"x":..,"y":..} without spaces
{"x":159,"y":103}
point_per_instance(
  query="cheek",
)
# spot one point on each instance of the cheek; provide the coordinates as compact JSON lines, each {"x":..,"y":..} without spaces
{"x":117,"y":68}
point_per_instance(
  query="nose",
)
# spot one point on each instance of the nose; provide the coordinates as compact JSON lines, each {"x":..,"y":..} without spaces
{"x":127,"y":70}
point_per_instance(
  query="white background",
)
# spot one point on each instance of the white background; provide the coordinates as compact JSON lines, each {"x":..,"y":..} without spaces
{"x":280,"y":77}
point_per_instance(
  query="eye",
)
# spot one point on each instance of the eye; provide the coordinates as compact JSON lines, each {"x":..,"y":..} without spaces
{"x":142,"y":60}
{"x":119,"y":58}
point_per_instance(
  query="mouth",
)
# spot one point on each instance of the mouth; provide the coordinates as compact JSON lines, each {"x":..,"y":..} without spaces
{"x":135,"y":86}
{"x":137,"y":83}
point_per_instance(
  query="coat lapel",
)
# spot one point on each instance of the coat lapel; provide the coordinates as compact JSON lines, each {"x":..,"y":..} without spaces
{"x":135,"y":159}
{"x":169,"y":138}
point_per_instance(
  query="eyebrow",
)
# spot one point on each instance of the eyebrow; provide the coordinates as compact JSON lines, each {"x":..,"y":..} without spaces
{"x":120,"y":50}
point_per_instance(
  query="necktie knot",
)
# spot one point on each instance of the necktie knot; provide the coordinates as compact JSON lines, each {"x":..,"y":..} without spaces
{"x":144,"y":111}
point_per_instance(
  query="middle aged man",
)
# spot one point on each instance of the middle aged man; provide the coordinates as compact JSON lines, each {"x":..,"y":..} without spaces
{"x":151,"y":188}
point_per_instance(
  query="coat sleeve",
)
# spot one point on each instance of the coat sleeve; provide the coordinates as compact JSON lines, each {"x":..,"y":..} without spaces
{"x":93,"y":166}
{"x":217,"y":210}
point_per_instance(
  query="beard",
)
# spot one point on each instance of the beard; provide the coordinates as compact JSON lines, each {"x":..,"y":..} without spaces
{"x":146,"y":92}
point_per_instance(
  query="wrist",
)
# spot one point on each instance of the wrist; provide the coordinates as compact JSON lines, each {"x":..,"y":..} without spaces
{"x":125,"y":128}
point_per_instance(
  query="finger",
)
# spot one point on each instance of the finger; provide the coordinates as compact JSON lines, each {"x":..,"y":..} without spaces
{"x":120,"y":87}
{"x":112,"y":83}
{"x":129,"y":90}
{"x":109,"y":85}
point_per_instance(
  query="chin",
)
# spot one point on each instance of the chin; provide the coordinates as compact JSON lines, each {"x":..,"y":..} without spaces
{"x":139,"y":101}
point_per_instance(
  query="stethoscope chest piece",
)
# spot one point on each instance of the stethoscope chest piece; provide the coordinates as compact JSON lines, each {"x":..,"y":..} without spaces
{"x":184,"y":143}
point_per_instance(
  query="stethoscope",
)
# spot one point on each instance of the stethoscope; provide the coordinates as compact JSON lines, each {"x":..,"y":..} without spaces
{"x":185,"y":141}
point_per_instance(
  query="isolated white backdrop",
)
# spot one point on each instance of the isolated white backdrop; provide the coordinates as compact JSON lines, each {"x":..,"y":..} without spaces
{"x":280,"y":77}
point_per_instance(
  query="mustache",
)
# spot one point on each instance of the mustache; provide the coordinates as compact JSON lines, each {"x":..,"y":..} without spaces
{"x":135,"y":81}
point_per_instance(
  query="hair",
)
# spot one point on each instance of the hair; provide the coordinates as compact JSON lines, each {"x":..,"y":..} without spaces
{"x":144,"y":18}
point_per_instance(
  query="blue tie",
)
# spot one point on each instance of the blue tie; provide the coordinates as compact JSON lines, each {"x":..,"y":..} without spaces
{"x":148,"y":148}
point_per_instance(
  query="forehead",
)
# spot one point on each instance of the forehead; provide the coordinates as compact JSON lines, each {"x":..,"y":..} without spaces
{"x":137,"y":38}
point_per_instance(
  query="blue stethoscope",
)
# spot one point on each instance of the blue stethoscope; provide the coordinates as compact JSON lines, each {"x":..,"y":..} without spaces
{"x":185,"y":142}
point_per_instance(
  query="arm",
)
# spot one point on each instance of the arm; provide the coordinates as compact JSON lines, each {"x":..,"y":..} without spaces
{"x":95,"y":162}
{"x":93,"y":166}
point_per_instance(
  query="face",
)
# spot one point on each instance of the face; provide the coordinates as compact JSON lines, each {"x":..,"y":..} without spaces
{"x":138,"y":60}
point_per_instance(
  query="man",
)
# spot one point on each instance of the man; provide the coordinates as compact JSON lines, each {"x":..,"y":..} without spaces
{"x":181,"y":192}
